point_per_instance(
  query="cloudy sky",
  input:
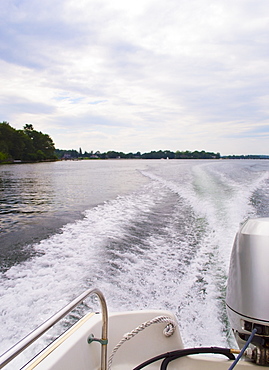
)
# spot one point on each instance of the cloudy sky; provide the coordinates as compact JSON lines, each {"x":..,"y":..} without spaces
{"x":138,"y":75}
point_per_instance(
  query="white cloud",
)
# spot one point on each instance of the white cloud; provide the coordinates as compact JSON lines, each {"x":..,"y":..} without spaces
{"x":176,"y":74}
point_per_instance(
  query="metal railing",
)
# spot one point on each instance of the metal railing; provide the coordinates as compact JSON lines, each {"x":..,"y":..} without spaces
{"x":39,"y":331}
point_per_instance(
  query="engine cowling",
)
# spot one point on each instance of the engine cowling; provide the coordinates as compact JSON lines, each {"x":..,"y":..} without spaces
{"x":247,"y":298}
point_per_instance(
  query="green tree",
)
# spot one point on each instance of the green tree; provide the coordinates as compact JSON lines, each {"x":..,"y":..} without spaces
{"x":113,"y":154}
{"x":28,"y":126}
{"x":41,"y":143}
{"x":25,"y":145}
{"x":11,"y":143}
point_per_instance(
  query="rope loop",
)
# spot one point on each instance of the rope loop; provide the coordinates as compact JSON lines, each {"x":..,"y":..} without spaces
{"x":168,"y":331}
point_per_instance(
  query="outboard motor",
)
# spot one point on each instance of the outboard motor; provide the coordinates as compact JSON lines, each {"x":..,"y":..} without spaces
{"x":247,"y":298}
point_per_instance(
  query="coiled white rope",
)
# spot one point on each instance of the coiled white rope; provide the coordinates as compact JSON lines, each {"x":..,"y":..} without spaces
{"x":168,"y":331}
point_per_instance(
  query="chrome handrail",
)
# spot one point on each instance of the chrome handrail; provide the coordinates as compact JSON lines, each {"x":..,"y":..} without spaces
{"x":14,"y":351}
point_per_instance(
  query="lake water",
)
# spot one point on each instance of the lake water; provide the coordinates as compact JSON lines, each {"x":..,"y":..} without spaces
{"x":148,"y":233}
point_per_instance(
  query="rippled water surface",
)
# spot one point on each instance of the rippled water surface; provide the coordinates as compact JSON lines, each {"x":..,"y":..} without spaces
{"x":149,"y":234}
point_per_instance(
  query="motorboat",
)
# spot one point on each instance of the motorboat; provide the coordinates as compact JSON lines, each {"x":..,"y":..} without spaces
{"x":151,"y":339}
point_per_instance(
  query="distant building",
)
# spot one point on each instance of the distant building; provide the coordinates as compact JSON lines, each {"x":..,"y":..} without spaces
{"x":66,"y":156}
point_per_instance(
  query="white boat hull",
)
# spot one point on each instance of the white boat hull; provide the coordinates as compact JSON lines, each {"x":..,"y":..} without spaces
{"x":72,"y":351}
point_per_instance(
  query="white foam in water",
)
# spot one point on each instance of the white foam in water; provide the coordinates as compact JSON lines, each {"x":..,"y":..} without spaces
{"x":222,"y":203}
{"x":166,"y":246}
{"x":32,"y":291}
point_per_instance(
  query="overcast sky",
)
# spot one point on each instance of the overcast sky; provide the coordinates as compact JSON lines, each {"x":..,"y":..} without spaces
{"x":138,"y":75}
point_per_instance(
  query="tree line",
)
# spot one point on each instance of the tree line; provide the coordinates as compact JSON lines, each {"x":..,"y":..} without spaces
{"x":246,"y":156}
{"x":27,"y":145}
{"x":160,"y":154}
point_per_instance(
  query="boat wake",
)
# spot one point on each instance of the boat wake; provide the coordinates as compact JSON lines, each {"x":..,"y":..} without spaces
{"x":164,"y":246}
